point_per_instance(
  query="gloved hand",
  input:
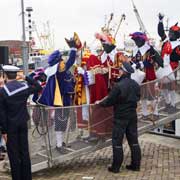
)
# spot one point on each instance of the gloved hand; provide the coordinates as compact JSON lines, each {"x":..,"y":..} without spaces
{"x":166,"y":61}
{"x":147,"y":63}
{"x":161,"y":16}
{"x":152,"y":51}
{"x":133,"y":66}
{"x":138,"y":65}
{"x":80,"y":70}
{"x":31,"y":75}
{"x":71,"y":43}
{"x":141,"y":64}
{"x":42,"y":77}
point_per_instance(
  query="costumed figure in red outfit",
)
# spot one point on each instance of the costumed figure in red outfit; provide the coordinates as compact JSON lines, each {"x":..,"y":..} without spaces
{"x":108,"y":55}
{"x":95,"y":88}
{"x":171,"y":55}
{"x":146,"y":58}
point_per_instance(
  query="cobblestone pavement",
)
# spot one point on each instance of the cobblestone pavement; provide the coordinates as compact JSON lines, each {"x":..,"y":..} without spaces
{"x":159,"y":162}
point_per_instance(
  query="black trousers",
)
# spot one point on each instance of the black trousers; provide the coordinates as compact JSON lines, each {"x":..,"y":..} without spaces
{"x":125,"y":126}
{"x":18,"y":152}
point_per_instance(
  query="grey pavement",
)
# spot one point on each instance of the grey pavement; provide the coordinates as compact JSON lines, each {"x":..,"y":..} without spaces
{"x":160,"y":161}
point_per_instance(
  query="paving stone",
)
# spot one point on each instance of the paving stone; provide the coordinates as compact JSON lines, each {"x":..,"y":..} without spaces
{"x":159,"y":162}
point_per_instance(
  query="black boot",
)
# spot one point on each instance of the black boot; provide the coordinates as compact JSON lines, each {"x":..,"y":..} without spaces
{"x":132,"y":167}
{"x":117,"y":159}
{"x":167,"y":106}
{"x":135,"y":158}
{"x":113,"y":170}
{"x":172,"y":110}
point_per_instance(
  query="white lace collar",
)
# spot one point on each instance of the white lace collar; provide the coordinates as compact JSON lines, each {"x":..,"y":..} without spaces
{"x":175,"y":43}
{"x":143,"y":49}
{"x":105,"y":55}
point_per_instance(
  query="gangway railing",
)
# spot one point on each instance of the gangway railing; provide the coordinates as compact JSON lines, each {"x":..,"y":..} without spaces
{"x":87,"y":128}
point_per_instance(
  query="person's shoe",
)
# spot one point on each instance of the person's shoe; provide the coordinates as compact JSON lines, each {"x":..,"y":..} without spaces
{"x":61,"y":150}
{"x":91,"y":139}
{"x":113,"y":170}
{"x":167,"y":106}
{"x":132,"y":168}
{"x":172,"y":110}
{"x":145,"y":118}
{"x":65,"y":145}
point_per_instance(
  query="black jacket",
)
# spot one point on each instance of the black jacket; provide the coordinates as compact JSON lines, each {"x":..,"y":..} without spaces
{"x":13,"y":103}
{"x":124,"y":97}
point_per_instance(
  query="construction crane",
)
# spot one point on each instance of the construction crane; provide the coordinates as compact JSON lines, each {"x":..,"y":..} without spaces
{"x":141,"y":24}
{"x":123,"y":16}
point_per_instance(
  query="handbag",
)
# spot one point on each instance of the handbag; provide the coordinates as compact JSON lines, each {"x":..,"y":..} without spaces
{"x":166,"y":74}
{"x":138,"y":76}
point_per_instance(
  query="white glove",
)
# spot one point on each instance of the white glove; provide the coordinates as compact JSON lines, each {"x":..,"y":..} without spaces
{"x":80,"y":70}
{"x":166,"y":59}
{"x":134,"y":66}
{"x":141,"y":64}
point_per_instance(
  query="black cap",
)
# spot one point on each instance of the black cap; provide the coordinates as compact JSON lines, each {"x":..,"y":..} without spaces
{"x":127,"y":67}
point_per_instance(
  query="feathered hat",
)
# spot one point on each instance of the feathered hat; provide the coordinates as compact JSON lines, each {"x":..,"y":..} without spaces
{"x":139,"y":35}
{"x":107,"y":41}
{"x":54,"y":58}
{"x":175,"y":28}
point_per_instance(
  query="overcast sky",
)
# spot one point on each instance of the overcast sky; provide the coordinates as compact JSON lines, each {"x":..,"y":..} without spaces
{"x":84,"y":16}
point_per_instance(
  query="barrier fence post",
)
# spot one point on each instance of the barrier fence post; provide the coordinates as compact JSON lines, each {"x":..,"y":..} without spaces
{"x":45,"y":132}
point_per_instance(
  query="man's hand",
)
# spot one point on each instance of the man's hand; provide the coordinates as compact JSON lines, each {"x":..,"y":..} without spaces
{"x":80,"y":70}
{"x":71,"y":43}
{"x":97,"y":102}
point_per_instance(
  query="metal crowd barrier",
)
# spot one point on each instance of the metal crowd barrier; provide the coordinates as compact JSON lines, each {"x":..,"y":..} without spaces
{"x":78,"y":123}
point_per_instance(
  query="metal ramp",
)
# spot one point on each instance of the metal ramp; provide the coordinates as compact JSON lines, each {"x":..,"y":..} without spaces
{"x":49,"y":156}
{"x":76,"y":128}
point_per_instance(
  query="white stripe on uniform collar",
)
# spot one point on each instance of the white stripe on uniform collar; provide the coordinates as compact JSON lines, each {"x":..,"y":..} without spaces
{"x":15,"y":91}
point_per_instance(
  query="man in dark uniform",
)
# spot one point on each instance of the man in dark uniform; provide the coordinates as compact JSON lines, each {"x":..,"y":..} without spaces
{"x":13,"y":120}
{"x":124,"y":97}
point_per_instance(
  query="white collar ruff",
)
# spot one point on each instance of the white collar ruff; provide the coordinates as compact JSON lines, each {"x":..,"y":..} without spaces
{"x":105,"y":55}
{"x":174,"y":44}
{"x":143,"y":49}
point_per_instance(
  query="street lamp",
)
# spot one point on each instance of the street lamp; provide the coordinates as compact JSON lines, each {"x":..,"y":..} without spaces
{"x":29,"y":10}
{"x":24,"y":44}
